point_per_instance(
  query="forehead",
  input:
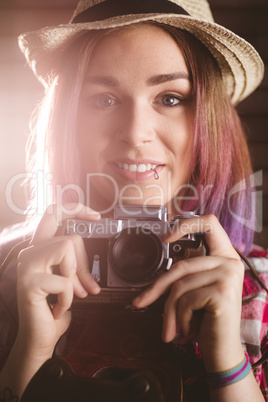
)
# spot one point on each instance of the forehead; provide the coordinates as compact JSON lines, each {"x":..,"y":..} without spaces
{"x":142,"y":46}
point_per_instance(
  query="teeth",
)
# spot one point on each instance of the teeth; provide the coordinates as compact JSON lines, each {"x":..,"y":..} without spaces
{"x":141,"y":168}
{"x":137,"y":168}
{"x":133,"y":168}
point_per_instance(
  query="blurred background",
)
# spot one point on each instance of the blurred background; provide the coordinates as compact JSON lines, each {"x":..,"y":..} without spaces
{"x":20,"y":92}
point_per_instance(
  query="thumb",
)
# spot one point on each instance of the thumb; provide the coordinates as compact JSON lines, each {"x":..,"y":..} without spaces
{"x":64,"y":323}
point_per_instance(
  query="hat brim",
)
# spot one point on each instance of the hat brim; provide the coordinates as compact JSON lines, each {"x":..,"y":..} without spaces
{"x":241,"y":66}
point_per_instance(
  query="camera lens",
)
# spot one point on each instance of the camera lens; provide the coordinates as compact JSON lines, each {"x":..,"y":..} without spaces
{"x":136,"y":255}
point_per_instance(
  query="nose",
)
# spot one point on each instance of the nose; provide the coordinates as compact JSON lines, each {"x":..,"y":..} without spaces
{"x":137,"y":125}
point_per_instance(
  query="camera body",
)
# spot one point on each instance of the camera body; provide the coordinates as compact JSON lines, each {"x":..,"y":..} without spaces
{"x":127,"y":253}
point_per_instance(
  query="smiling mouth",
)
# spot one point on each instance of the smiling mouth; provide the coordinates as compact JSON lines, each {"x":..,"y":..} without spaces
{"x":140,"y":168}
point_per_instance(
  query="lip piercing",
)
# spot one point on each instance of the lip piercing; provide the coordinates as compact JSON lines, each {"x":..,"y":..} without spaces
{"x":156,"y":175}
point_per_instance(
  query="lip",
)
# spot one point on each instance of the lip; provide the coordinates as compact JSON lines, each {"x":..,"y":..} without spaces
{"x":137,"y":176}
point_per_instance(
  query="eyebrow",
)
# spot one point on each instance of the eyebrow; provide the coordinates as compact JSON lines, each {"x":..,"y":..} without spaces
{"x":160,"y":79}
{"x":154,"y":80}
{"x":103,"y":80}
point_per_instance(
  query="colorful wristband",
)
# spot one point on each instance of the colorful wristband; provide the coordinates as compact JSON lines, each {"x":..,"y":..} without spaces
{"x":228,"y":377}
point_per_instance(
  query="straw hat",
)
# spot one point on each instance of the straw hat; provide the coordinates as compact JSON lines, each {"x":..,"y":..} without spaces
{"x":241,"y":66}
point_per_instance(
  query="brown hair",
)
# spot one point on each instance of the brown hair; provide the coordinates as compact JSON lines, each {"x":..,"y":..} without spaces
{"x":220,"y":157}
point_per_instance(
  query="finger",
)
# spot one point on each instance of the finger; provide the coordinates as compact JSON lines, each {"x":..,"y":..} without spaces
{"x":83,"y":274}
{"x":64,"y":301}
{"x":184,"y":312}
{"x":46,"y":284}
{"x":170,"y":323}
{"x":70,"y":261}
{"x":178,"y":271}
{"x":55,"y":252}
{"x":194,"y":301}
{"x":64,"y":297}
{"x":52,"y":252}
{"x":187,"y":284}
{"x":216,"y":296}
{"x":216,"y":238}
{"x":55,"y":215}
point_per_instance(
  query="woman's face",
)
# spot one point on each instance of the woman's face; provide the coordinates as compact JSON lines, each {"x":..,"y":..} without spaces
{"x":135,"y":115}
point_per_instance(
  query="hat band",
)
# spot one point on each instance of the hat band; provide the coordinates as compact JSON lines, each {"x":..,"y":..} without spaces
{"x":113,"y":8}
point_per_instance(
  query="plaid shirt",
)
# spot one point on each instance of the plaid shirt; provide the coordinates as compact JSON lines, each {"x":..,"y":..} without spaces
{"x":254,"y":334}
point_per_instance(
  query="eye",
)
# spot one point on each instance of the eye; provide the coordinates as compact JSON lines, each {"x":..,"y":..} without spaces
{"x":170,"y":100}
{"x":102,"y":101}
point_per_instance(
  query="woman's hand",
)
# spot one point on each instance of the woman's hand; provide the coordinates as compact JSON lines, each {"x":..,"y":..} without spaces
{"x":51,"y":265}
{"x":204,"y":295}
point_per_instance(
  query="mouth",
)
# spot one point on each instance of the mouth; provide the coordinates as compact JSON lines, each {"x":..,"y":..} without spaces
{"x":139,"y":170}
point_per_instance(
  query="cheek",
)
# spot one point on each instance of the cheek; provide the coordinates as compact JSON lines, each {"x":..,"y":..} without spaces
{"x":92,"y":138}
{"x":95,"y":128}
{"x":187,"y":129}
{"x":182,"y":143}
{"x":186,"y":151}
{"x":181,"y":136}
{"x":86,"y":144}
{"x":89,"y":127}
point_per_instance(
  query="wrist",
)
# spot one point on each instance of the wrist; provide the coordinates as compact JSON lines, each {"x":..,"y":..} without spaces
{"x":18,"y":370}
{"x":27,"y":350}
{"x":221,"y":359}
{"x":230,"y":376}
{"x":21,"y":366}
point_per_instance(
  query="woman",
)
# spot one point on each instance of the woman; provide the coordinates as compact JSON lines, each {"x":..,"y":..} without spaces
{"x":138,"y":110}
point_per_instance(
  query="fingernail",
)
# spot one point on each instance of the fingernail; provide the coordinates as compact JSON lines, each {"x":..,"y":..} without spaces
{"x":96,"y":289}
{"x":94,"y":213}
{"x":83,"y":290}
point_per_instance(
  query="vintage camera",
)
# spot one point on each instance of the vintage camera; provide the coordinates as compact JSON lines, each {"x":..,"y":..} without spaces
{"x":127,"y":253}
